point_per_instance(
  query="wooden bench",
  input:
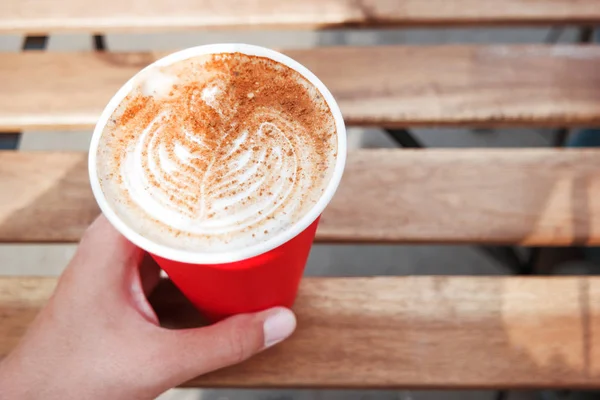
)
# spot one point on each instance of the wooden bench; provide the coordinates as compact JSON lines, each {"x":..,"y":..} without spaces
{"x":406,"y":332}
{"x":422,"y":332}
{"x":71,"y":15}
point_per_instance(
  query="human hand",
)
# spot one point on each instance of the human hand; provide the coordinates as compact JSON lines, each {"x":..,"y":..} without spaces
{"x":98,"y":337}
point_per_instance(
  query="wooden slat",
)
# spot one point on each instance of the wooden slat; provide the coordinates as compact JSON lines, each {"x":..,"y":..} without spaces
{"x":401,"y":332}
{"x":528,"y":196}
{"x":31,"y":16}
{"x":399,"y":86}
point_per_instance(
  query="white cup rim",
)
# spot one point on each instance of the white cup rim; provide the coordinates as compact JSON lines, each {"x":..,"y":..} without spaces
{"x":193,"y":257}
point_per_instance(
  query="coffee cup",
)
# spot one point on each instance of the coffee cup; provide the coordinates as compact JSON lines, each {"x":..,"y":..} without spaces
{"x":244,"y":279}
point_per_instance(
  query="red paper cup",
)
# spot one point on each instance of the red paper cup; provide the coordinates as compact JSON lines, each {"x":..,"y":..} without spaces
{"x":250,"y":279}
{"x":257,"y":283}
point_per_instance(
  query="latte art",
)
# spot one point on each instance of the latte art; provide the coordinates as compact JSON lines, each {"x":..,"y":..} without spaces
{"x":217,"y":152}
{"x":180,"y":183}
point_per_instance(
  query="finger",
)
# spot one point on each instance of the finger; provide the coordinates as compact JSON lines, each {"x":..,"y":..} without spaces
{"x":103,"y":269}
{"x":141,"y":279}
{"x":194,"y":352}
{"x":149,"y":274}
{"x":104,"y":255}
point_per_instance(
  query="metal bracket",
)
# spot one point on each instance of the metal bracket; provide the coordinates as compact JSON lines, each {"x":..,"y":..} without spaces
{"x":99,"y":43}
{"x":404,"y":138}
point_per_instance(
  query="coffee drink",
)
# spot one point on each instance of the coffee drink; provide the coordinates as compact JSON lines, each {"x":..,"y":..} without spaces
{"x":217,"y":152}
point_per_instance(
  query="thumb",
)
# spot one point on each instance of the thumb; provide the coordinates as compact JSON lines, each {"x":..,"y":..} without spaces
{"x":194,"y":352}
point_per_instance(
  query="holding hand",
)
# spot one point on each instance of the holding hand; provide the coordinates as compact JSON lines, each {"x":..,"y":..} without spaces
{"x":98,"y":337}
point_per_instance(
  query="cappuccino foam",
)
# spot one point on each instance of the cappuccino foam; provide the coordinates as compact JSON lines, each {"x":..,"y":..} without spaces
{"x":217,"y":152}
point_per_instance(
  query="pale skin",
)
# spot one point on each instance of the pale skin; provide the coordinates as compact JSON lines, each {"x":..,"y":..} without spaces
{"x":98,"y":337}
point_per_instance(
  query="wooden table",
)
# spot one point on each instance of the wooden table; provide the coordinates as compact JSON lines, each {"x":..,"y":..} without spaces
{"x":382,"y":332}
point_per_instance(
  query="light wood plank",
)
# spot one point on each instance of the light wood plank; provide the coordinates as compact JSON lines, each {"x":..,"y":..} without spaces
{"x":527,"y":196}
{"x":400,"y":332}
{"x":31,"y":16}
{"x":382,"y":86}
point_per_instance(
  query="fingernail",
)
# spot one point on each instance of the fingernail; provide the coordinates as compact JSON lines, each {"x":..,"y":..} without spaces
{"x":279,"y":325}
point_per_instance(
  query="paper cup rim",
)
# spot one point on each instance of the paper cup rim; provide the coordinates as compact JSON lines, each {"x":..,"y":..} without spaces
{"x":227,"y":256}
